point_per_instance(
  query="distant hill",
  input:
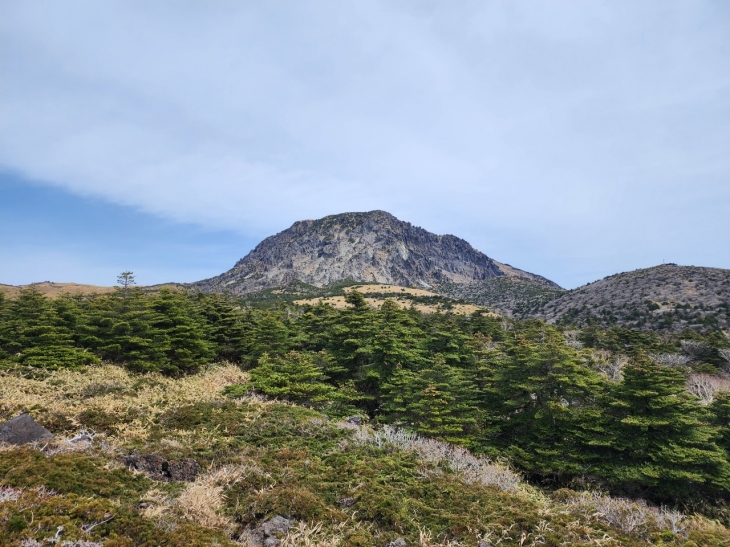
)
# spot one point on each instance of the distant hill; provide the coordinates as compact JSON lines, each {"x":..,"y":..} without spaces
{"x":53,"y":290}
{"x":664,"y":298}
{"x":372,"y":247}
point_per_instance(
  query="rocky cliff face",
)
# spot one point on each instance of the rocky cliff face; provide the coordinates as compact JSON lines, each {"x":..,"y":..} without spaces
{"x":365,"y":247}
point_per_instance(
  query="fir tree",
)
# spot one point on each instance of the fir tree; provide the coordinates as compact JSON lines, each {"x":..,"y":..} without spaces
{"x":436,"y":401}
{"x":184,"y":331}
{"x":34,"y":335}
{"x":540,"y":403}
{"x":662,"y":443}
{"x":295,"y":377}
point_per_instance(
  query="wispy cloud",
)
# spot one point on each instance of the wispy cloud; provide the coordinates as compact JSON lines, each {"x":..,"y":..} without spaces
{"x":595,"y":132}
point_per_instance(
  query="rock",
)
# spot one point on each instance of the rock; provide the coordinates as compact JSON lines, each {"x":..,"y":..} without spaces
{"x":276,"y":526}
{"x":183,"y":470}
{"x":365,"y":247}
{"x":346,"y":502}
{"x":23,"y":429}
{"x":400,"y":542}
{"x":269,"y":533}
{"x":356,"y":420}
{"x":483,"y":543}
{"x":150,"y":464}
{"x":160,"y":469}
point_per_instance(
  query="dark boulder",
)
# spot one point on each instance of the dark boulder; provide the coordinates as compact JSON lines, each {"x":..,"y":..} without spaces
{"x":23,"y":429}
{"x":159,"y":469}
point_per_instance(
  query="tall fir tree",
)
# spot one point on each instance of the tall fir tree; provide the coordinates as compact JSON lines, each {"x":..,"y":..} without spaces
{"x":436,"y":401}
{"x":663,"y":445}
{"x":34,"y":335}
{"x":539,"y":403}
{"x":183,"y":330}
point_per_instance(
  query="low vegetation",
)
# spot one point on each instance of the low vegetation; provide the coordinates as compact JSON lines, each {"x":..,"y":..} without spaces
{"x":460,"y":429}
{"x":343,"y":484}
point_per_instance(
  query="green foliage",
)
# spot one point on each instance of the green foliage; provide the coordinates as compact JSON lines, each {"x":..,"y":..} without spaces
{"x":436,"y":401}
{"x":662,"y":444}
{"x":540,"y":401}
{"x":295,"y":377}
{"x":34,"y":334}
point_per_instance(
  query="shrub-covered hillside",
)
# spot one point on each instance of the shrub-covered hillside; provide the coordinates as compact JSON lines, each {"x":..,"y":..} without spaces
{"x":337,"y":483}
{"x":667,"y":298}
{"x":628,"y":413}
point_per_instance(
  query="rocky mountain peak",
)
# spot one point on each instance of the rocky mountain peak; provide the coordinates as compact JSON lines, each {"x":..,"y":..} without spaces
{"x":371,"y":246}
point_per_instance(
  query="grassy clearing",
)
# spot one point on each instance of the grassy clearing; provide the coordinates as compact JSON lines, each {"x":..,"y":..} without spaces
{"x":344,"y":485}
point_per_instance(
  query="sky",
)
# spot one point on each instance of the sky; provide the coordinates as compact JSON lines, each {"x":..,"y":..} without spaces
{"x":570,"y":139}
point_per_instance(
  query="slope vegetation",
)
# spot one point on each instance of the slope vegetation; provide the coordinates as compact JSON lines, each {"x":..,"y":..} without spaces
{"x":664,"y":298}
{"x":338,"y":484}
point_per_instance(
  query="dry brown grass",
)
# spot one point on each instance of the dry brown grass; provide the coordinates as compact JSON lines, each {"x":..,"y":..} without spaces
{"x":114,"y":391}
{"x":54,"y":290}
{"x":339,"y":303}
{"x":202,"y":500}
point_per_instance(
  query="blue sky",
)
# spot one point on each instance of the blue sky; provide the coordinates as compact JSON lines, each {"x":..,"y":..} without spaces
{"x":570,"y":139}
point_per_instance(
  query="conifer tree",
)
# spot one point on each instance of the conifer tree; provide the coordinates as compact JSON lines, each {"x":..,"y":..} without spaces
{"x":122,"y":327}
{"x":34,"y":335}
{"x":662,"y":443}
{"x":269,"y":334}
{"x":395,"y":341}
{"x":295,"y":377}
{"x":541,"y":403}
{"x":350,"y":339}
{"x":184,"y":331}
{"x":436,"y":401}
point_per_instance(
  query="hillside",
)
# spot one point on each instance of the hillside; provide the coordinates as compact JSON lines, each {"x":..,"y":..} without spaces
{"x":510,"y":296}
{"x":270,"y":473}
{"x":373,"y":247}
{"x":663,"y":298}
{"x":53,"y":290}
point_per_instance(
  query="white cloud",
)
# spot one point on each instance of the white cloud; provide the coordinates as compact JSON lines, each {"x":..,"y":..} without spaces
{"x":507,"y":123}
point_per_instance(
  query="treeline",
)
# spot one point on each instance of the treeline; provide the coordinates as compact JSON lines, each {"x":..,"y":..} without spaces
{"x":523,"y":390}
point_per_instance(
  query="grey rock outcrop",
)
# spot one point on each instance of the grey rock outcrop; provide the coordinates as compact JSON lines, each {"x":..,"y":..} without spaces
{"x":364,"y":247}
{"x":23,"y":429}
{"x":269,"y":533}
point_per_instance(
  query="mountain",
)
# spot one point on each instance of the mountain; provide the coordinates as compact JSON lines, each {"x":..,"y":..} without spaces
{"x":666,"y":298}
{"x":372,"y":247}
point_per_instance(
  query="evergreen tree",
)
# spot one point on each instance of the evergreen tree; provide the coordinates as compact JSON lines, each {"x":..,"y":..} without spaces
{"x":720,"y":418}
{"x":34,"y":335}
{"x":350,"y":339}
{"x":437,"y":401}
{"x":540,"y":401}
{"x":269,"y":334}
{"x":184,"y":331}
{"x":296,"y":377}
{"x":396,"y":340}
{"x":448,"y":339}
{"x":662,"y":443}
{"x":123,"y":331}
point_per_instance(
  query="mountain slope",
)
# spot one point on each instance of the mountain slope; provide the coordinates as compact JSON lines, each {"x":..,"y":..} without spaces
{"x":665,"y":298}
{"x":370,"y":247}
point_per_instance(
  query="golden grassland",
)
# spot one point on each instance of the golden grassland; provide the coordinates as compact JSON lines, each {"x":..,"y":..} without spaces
{"x":54,"y":290}
{"x":260,"y":458}
{"x":338,"y":302}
